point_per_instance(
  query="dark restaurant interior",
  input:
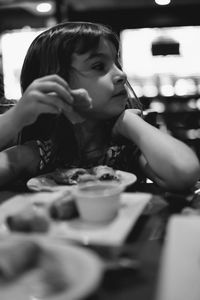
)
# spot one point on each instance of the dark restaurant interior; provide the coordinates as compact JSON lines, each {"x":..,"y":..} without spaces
{"x":167,"y":36}
{"x":160,"y":52}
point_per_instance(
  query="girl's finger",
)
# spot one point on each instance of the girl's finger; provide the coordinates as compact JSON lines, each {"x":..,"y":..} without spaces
{"x":56,"y":78}
{"x":67,"y":109}
{"x":53,"y":87}
{"x":36,"y":98}
{"x":56,"y":102}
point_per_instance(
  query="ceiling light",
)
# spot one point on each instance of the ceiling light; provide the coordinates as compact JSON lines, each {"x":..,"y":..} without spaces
{"x":44,"y":7}
{"x":162,"y":2}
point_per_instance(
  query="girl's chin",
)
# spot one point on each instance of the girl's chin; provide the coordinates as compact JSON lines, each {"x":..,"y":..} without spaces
{"x":118,"y":111}
{"x":106,"y":115}
{"x":115,"y":113}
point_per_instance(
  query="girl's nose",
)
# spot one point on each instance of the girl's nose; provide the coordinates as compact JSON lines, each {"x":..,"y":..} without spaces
{"x":119,"y":76}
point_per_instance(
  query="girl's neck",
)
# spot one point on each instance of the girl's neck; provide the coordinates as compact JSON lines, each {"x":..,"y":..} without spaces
{"x":89,"y":129}
{"x":90,"y":132}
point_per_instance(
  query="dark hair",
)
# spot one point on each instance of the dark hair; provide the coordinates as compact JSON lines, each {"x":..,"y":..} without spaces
{"x":51,"y":53}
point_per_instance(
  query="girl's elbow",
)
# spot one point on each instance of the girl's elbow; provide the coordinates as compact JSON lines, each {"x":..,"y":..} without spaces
{"x":186,"y":175}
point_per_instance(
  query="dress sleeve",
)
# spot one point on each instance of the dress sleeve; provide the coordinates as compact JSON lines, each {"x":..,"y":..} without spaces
{"x":125,"y":158}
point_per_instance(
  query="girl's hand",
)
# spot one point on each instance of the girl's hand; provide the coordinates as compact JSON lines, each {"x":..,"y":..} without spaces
{"x":49,"y":94}
{"x":118,"y":129}
{"x":82,"y":102}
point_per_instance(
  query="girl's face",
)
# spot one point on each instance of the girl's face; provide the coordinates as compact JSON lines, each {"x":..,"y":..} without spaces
{"x":97,"y":72}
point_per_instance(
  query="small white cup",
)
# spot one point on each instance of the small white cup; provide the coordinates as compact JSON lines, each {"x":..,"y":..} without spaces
{"x":98,"y":201}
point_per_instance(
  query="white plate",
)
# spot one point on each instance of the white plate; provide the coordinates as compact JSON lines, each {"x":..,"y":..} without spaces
{"x":112,"y":233}
{"x":81,"y":269}
{"x":126,"y":178}
{"x":43,"y":183}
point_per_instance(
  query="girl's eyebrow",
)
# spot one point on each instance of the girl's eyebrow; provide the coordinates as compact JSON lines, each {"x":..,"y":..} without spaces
{"x":100,"y":55}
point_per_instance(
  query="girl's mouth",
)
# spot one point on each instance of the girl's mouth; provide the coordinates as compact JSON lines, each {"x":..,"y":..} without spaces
{"x":120,"y":93}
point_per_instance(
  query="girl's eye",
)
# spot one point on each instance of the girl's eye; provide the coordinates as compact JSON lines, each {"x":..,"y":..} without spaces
{"x":98,"y":66}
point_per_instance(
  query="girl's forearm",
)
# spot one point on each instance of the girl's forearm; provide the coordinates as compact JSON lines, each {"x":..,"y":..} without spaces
{"x":172,"y":161}
{"x":9,"y":128}
{"x":18,"y":162}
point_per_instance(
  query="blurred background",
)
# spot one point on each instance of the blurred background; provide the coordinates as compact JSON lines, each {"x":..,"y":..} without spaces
{"x":160,"y":51}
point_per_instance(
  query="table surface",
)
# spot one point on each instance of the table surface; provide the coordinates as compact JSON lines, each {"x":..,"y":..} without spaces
{"x":145,"y":243}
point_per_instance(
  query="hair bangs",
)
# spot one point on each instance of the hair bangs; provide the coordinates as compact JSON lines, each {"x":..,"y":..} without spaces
{"x":89,"y":35}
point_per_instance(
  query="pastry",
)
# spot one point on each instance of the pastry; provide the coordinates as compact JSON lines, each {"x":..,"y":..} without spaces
{"x":104,"y":173}
{"x":68,"y":177}
{"x":63,"y":208}
{"x":29,"y":219}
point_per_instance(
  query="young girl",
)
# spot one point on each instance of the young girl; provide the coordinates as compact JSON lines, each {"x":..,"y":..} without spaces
{"x":72,"y":79}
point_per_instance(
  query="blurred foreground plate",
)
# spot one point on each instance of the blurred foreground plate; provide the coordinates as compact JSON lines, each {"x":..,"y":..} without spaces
{"x":45,"y":182}
{"x":82,"y":270}
{"x":113,"y":233}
